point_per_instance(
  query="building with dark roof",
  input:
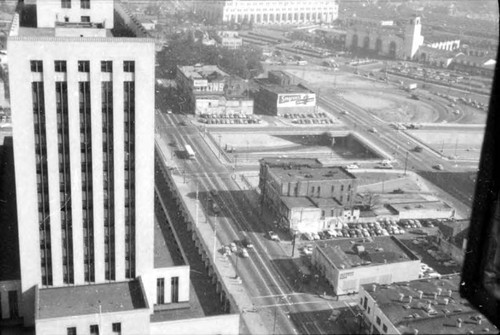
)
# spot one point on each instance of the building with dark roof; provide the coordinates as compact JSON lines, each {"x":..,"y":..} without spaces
{"x":347,"y":264}
{"x":424,"y":306}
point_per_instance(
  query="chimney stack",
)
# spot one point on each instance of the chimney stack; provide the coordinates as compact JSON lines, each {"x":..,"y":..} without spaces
{"x":420,"y":294}
{"x":459,"y":323}
{"x":435,"y":295}
{"x":439,"y":290}
{"x":449,"y":293}
{"x":410,"y":298}
{"x":446,"y":301}
{"x":479,"y":319}
{"x":415,"y":331}
{"x":401,"y":296}
{"x":374,"y":288}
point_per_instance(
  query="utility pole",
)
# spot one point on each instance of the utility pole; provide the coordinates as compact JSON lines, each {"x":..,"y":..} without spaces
{"x":406,"y":161}
{"x":196,"y":220}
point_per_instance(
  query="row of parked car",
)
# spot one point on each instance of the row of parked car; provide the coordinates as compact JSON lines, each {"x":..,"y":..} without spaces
{"x":319,"y":115}
{"x":229,"y":121}
{"x":313,"y":121}
{"x":380,"y":228}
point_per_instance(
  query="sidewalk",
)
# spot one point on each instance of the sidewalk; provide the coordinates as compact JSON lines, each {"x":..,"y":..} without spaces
{"x":252,"y":322}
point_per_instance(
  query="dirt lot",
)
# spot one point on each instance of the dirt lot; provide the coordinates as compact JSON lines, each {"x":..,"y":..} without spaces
{"x":386,"y":101}
{"x":463,"y":143}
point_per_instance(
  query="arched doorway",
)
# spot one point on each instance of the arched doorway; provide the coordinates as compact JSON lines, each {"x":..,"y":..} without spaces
{"x":354,"y":42}
{"x":366,"y":43}
{"x":378,"y":45}
{"x":392,"y":49}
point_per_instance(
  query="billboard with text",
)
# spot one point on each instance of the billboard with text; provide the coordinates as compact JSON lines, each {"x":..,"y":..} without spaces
{"x":296,"y":99}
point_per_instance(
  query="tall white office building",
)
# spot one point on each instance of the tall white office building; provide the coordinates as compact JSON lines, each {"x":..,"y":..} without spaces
{"x":82,"y":97}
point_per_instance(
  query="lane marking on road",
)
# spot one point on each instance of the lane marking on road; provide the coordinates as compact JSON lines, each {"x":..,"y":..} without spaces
{"x":277,"y":295}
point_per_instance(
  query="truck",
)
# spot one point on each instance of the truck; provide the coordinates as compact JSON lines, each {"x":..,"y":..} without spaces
{"x":411,"y":87}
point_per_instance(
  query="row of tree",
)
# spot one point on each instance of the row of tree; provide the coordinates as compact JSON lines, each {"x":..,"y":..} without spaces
{"x":184,"y":50}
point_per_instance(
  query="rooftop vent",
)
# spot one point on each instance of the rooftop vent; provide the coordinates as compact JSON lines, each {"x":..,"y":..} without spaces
{"x":379,"y":249}
{"x":374,"y":288}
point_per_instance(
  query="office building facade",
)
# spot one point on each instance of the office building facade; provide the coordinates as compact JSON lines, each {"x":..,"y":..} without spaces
{"x":82,"y":104}
{"x":269,"y":12}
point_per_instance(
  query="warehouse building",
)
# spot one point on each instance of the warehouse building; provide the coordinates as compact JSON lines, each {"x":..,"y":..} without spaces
{"x":429,"y":306}
{"x":347,"y":264}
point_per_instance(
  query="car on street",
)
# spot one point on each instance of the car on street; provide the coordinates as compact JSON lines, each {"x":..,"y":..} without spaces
{"x":233,"y":247}
{"x":244,"y":253}
{"x":247,"y":244}
{"x":438,"y":167}
{"x":273,"y":236}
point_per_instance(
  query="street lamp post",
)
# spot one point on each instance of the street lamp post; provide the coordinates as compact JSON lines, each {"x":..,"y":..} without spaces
{"x":215,"y":237}
{"x":406,"y":161}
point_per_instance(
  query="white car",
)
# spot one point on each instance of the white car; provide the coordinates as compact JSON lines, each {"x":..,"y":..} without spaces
{"x":273,"y":236}
{"x":233,"y":247}
{"x":244,"y":253}
{"x":352,"y":166}
{"x":315,"y":236}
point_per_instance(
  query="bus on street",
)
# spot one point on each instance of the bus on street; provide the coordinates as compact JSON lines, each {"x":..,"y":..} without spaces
{"x":189,"y":151}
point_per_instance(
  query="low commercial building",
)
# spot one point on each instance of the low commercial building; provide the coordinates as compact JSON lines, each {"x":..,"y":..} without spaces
{"x":347,"y":264}
{"x":452,"y":238}
{"x":306,"y":196}
{"x":422,"y":210}
{"x":206,"y":89}
{"x":426,"y":306}
{"x":275,"y":99}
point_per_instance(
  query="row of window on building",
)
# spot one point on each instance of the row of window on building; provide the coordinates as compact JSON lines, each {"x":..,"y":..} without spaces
{"x":84,"y":4}
{"x":83,"y":66}
{"x":364,"y":303}
{"x":116,"y":329}
{"x":160,"y":290}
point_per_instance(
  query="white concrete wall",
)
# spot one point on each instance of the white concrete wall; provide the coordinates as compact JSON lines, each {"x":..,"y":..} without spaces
{"x":374,"y":312}
{"x":132,"y":323}
{"x":349,"y":279}
{"x":227,"y":324}
{"x":50,"y":11}
{"x":149,"y":280}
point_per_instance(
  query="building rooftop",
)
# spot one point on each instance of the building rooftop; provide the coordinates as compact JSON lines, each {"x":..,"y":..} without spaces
{"x":326,"y":202}
{"x":440,"y":317}
{"x":350,"y":253}
{"x":311,"y":174}
{"x":275,"y":88}
{"x":437,"y":52}
{"x":86,"y":299}
{"x":301,"y":202}
{"x":208,"y":72}
{"x":437,"y":39}
{"x":420,"y":206}
{"x":290,"y":162}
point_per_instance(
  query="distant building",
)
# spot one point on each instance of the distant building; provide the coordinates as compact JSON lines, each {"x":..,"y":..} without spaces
{"x":422,"y":210}
{"x":387,"y":40}
{"x":305,"y":197}
{"x":209,"y":90}
{"x":277,"y":96}
{"x":269,"y":12}
{"x":452,"y":238}
{"x":347,"y":264}
{"x":426,"y":306}
{"x":229,"y":39}
{"x":474,"y":65}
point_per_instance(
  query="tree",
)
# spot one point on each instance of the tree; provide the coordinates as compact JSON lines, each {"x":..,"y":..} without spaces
{"x":370,"y":200}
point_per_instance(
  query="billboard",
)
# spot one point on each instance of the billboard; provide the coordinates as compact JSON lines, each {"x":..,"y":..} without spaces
{"x":296,"y":99}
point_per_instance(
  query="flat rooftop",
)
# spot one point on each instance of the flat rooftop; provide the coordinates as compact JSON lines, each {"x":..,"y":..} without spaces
{"x":86,"y":299}
{"x":312,"y":174}
{"x":208,"y":72}
{"x":293,"y":202}
{"x":424,"y":205}
{"x":326,"y":202}
{"x":49,"y":32}
{"x":378,"y":250}
{"x":275,"y":88}
{"x":442,"y":319}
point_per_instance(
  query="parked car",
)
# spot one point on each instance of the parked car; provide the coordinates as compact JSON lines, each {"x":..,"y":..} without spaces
{"x":233,"y":247}
{"x":247,"y":244}
{"x":244,"y":253}
{"x":273,"y":236}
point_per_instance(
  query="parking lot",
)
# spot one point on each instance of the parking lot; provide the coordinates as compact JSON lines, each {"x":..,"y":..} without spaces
{"x":311,"y":118}
{"x":229,"y":119}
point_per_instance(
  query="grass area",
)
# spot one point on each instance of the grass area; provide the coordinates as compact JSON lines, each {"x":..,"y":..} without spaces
{"x":460,"y":185}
